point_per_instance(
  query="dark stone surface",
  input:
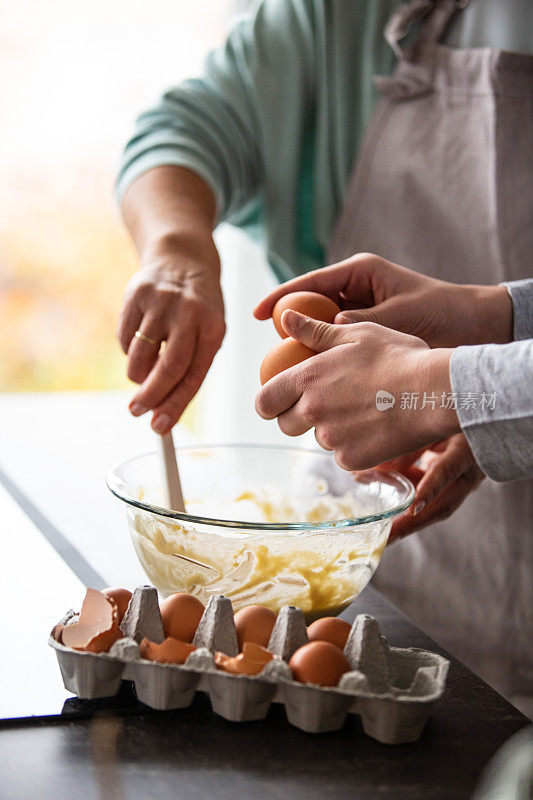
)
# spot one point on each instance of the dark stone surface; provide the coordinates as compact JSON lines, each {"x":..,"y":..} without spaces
{"x":119,"y":749}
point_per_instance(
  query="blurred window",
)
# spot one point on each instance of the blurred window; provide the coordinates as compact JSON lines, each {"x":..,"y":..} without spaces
{"x":74,"y":76}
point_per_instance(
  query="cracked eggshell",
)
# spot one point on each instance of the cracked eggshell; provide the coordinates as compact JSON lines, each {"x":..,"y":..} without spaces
{"x":170,"y":651}
{"x":121,"y":598}
{"x":251,"y":661}
{"x":97,"y":627}
{"x":57,"y":630}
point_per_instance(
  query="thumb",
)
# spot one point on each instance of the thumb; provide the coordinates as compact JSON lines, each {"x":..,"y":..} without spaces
{"x":316,"y":335}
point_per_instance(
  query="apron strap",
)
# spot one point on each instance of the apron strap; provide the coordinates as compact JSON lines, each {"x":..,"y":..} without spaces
{"x":437,"y":14}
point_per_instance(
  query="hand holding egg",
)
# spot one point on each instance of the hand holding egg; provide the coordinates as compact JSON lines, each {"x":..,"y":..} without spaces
{"x":289,"y":352}
{"x":339,"y":391}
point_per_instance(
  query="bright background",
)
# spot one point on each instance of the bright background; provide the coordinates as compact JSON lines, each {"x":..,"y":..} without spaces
{"x":74,"y":77}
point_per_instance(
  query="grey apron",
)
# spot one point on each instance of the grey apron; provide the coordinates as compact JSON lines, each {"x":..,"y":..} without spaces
{"x":442,"y":185}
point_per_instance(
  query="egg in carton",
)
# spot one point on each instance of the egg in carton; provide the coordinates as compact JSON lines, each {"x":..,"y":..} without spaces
{"x":392,"y":689}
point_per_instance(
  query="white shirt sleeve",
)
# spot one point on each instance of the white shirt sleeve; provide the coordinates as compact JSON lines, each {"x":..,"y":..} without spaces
{"x":494,"y":391}
{"x":522,"y":296}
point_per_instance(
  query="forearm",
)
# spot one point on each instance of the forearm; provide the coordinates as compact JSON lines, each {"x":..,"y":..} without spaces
{"x":171,"y":209}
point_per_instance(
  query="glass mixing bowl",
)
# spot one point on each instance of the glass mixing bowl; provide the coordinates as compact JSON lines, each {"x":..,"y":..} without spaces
{"x":268,"y":525}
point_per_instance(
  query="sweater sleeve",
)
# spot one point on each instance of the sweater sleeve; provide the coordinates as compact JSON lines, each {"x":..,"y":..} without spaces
{"x":493,"y":386}
{"x":214,"y":124}
{"x":522,"y":296}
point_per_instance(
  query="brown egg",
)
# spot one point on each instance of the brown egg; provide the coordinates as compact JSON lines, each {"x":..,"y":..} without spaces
{"x":330,"y":629}
{"x":181,"y":614}
{"x":319,"y":662}
{"x":170,"y":651}
{"x":311,"y":304}
{"x":250,"y":662}
{"x":121,"y":597}
{"x":283,"y":355}
{"x":97,"y":626}
{"x":254,"y":624}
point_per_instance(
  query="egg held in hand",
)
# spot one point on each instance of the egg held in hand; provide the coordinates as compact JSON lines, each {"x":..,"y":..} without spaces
{"x":181,"y":614}
{"x":254,"y":624}
{"x":312,"y":304}
{"x":320,"y":663}
{"x":282,"y":356}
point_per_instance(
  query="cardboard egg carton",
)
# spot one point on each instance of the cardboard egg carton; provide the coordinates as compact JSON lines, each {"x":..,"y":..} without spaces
{"x":392,"y":689}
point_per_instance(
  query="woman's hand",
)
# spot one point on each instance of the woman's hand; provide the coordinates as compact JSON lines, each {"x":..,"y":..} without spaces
{"x":353,"y":392}
{"x":176,"y":296}
{"x":370,"y":289}
{"x":444,"y":475}
{"x":176,"y":300}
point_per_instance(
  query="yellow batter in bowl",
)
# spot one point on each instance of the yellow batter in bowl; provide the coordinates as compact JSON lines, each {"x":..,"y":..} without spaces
{"x":274,"y":526}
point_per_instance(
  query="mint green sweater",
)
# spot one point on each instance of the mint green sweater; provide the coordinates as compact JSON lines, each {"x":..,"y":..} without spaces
{"x":274,"y":122}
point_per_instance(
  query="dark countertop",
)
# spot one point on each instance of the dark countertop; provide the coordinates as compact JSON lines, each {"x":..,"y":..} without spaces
{"x":119,"y":749}
{"x":52,"y":494}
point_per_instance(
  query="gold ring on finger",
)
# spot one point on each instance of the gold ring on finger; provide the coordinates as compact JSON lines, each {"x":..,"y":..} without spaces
{"x":144,"y":338}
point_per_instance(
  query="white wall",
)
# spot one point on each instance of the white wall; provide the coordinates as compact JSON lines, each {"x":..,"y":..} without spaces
{"x":227,"y":398}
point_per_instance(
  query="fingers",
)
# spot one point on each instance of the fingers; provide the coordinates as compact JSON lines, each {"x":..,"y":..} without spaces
{"x":440,"y":509}
{"x":391,"y":313}
{"x":402,"y":463}
{"x":451,"y":474}
{"x":443,"y":469}
{"x":293,"y":421}
{"x":172,"y":407}
{"x":142,"y":354}
{"x":321,"y":440}
{"x":349,"y":282}
{"x":278,"y":394}
{"x":129,"y":321}
{"x":329,"y":281}
{"x":168,"y":371}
